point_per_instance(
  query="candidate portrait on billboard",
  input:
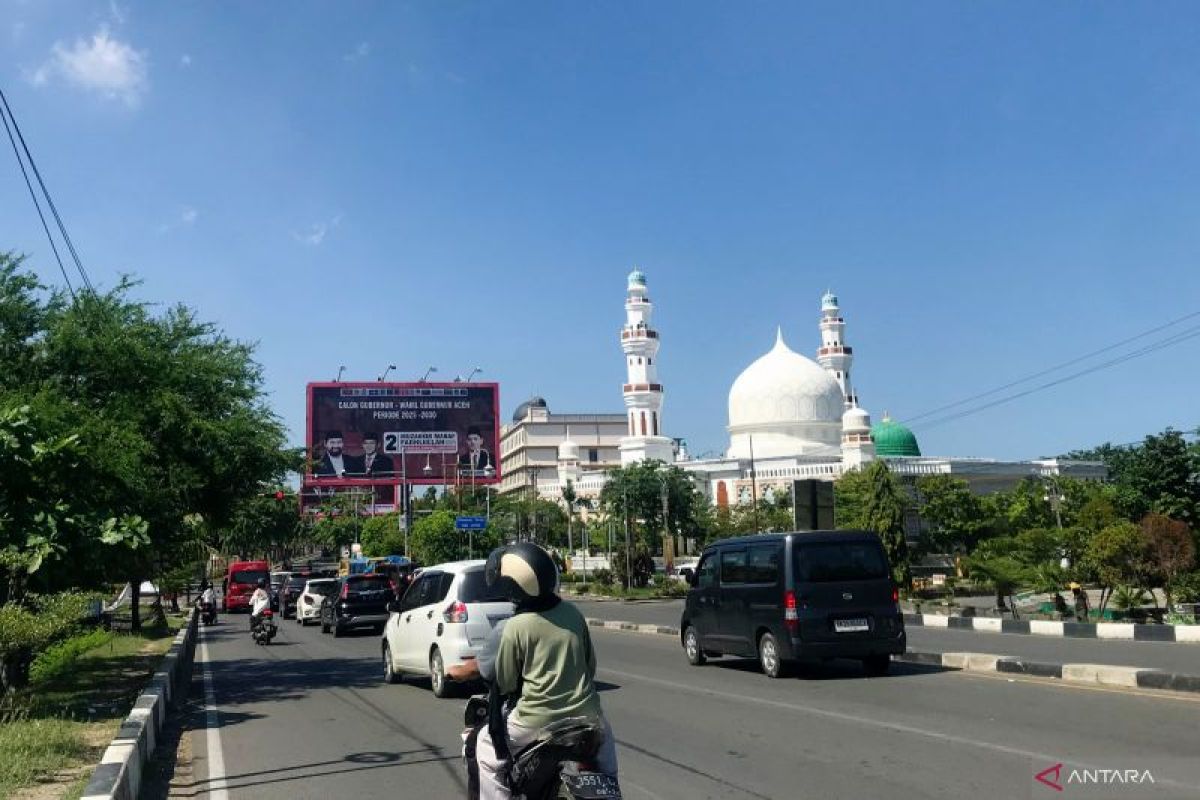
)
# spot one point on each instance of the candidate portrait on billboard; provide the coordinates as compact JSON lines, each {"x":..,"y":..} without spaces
{"x":403,"y":432}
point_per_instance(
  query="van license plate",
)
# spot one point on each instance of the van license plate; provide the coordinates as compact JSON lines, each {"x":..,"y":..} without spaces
{"x":850,"y":625}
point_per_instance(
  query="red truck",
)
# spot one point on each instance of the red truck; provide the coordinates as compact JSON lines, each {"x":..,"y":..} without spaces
{"x":241,"y":579}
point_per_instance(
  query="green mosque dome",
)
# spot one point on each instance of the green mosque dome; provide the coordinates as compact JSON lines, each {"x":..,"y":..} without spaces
{"x":893,"y":439}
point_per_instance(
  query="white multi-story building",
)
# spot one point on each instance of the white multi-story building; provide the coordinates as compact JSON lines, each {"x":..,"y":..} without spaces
{"x":529,"y":445}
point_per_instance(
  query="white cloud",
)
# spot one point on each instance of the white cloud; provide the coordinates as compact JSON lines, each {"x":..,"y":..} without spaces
{"x":317,"y":232}
{"x":104,"y":65}
{"x":188,"y":215}
{"x":118,"y":14}
{"x":185,"y":60}
{"x":361,"y":51}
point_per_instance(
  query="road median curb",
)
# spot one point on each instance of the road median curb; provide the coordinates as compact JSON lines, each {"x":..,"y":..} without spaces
{"x":1110,"y":675}
{"x":1123,"y":631}
{"x":118,"y":776}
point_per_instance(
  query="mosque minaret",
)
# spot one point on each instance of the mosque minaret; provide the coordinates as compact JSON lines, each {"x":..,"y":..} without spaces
{"x":834,"y":354}
{"x":642,"y":391}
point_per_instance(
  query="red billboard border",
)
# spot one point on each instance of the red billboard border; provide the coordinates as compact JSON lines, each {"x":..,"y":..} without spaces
{"x":449,"y":480}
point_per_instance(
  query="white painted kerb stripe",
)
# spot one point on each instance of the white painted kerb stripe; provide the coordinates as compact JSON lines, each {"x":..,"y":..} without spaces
{"x":1187,"y":633}
{"x":212,"y":733}
{"x":1114,"y":630}
{"x":989,"y":624}
{"x":1045,"y":627}
{"x":935,"y":620}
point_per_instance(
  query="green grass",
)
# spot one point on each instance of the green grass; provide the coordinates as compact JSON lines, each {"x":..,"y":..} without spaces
{"x":65,"y":718}
{"x":33,"y":748}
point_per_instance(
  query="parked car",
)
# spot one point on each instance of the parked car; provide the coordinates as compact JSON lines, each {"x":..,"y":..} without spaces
{"x":357,"y":601}
{"x":444,"y":618}
{"x":312,"y":596}
{"x":276,"y":583}
{"x":241,"y":579}
{"x":289,"y":592}
{"x":794,"y":597}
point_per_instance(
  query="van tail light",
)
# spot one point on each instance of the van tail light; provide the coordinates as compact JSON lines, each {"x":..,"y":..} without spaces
{"x":455,"y":612}
{"x":791,"y":615}
{"x":345,"y":591}
{"x":895,"y":594}
{"x":392,"y":585}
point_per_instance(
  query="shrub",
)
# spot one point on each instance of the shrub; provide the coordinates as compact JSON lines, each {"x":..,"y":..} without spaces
{"x":582,"y":588}
{"x":57,"y":659}
{"x":604,"y":577}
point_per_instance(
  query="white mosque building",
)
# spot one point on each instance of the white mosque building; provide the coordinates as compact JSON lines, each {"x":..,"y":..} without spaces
{"x":790,"y":418}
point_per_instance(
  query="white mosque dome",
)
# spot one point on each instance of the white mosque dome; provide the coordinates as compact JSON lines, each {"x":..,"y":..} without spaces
{"x":568,"y":450}
{"x":789,"y":404}
{"x":856,"y":420}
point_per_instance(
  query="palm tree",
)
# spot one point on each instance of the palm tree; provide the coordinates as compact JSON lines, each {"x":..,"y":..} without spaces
{"x":569,"y":497}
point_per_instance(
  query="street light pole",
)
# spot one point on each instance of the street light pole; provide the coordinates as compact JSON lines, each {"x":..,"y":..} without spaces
{"x":625,"y":502}
{"x":754,"y":487}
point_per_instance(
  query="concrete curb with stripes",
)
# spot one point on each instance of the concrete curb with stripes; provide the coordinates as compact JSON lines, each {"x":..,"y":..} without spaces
{"x":119,"y":773}
{"x":1089,"y":674}
{"x":1077,"y":630}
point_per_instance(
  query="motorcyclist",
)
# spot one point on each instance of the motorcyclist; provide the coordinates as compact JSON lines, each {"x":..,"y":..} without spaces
{"x":544,"y":657}
{"x":260,"y":601}
{"x":208,"y":598}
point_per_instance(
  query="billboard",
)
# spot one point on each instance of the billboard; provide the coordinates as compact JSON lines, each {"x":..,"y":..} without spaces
{"x":366,"y":500}
{"x":423,"y":433}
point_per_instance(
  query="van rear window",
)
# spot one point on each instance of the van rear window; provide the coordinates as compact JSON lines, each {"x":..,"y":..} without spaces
{"x":474,"y":589}
{"x":823,"y":562}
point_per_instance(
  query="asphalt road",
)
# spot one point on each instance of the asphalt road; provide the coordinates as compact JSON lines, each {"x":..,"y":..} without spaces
{"x":309,"y":717}
{"x":1183,"y":658}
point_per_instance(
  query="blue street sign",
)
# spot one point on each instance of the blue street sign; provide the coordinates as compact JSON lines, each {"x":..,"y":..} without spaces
{"x":470,"y":523}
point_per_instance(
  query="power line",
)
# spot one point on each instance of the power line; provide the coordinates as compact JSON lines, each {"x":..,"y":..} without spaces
{"x":62,"y":228}
{"x":1053,"y":369}
{"x":33,"y":196}
{"x":1174,"y":339}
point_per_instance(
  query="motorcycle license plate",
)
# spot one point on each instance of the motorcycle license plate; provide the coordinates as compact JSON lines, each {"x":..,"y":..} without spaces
{"x":592,"y":785}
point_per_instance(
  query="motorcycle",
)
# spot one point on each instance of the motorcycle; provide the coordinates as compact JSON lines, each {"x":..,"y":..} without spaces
{"x":558,"y":765}
{"x":208,"y":612}
{"x":264,"y":629}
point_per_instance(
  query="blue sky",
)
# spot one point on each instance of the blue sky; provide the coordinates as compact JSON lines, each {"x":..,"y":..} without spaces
{"x":991,"y":188}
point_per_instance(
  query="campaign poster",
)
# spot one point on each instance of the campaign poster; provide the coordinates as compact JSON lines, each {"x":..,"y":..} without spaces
{"x":415,"y":433}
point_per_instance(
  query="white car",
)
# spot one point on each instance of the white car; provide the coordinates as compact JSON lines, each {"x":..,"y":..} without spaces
{"x":308,"y":604}
{"x":444,"y":618}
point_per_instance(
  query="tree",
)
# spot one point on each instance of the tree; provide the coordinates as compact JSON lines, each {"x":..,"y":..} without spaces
{"x":850,"y":494}
{"x":1115,"y":556}
{"x":1169,"y":549}
{"x":883,"y":512}
{"x":434,"y":540}
{"x":638,"y":488}
{"x":955,"y":516}
{"x":1166,"y":475}
{"x":168,"y":416}
{"x":381,"y":536}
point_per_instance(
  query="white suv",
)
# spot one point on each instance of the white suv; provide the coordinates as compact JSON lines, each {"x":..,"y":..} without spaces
{"x":308,"y":604}
{"x":445,"y":617}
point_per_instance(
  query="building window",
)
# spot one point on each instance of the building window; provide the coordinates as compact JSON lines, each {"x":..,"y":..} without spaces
{"x":593,"y":455}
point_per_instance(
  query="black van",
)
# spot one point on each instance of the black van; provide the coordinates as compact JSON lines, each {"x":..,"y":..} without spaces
{"x":787,"y":597}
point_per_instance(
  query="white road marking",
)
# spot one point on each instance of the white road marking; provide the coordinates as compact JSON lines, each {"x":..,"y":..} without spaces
{"x":899,"y":727}
{"x":212,"y":733}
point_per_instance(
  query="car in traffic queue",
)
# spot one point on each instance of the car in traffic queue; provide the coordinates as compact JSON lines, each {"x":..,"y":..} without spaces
{"x":289,"y":592}
{"x":312,"y":597}
{"x":277,"y":580}
{"x":442,"y":621}
{"x":241,"y":579}
{"x":357,"y":601}
{"x":793,"y":597}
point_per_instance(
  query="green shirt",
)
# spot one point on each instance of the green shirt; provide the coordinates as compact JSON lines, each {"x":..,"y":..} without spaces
{"x":549,"y":657}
